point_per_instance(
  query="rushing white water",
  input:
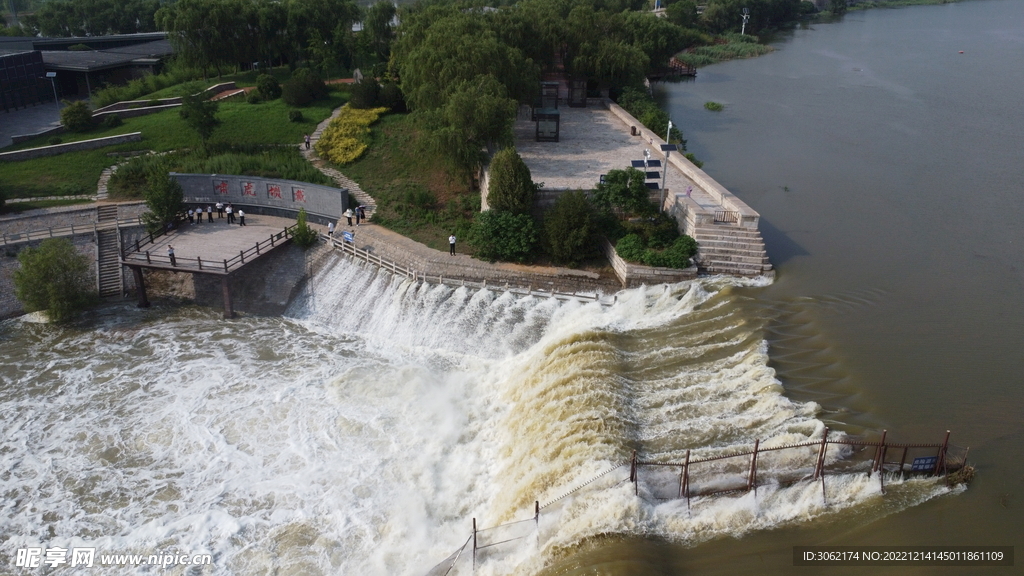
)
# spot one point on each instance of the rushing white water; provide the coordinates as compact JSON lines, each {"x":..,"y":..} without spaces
{"x":361,"y":433}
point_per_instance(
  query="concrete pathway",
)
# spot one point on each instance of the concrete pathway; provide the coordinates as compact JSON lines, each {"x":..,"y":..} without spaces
{"x":343,"y":181}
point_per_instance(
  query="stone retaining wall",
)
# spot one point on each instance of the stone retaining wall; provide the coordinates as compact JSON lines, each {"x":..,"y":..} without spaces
{"x":69,"y":147}
{"x":265,"y":195}
{"x":634,"y":275}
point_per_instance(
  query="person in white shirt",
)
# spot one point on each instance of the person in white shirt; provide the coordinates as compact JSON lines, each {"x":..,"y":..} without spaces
{"x":241,"y":217}
{"x":451,"y":244}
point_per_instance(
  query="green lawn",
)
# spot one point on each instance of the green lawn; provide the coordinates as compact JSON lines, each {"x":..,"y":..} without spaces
{"x":78,"y":172}
{"x":415,"y":195}
{"x":12,"y":207}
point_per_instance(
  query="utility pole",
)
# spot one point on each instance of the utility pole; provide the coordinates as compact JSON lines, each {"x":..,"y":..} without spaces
{"x":746,"y":16}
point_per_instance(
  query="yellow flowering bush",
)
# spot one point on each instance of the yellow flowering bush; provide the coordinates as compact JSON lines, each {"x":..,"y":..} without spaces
{"x":345,"y":138}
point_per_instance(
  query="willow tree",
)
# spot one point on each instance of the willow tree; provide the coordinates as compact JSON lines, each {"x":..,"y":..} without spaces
{"x":54,"y":277}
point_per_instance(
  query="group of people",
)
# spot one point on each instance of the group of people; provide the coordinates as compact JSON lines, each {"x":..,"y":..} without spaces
{"x":195,"y":216}
{"x":359,"y":213}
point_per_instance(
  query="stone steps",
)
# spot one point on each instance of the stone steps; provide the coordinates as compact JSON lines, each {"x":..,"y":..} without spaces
{"x":109,"y":267}
{"x":354,"y":190}
{"x":725,"y":249}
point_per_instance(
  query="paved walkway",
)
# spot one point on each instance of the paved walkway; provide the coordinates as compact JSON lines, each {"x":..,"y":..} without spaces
{"x":343,"y":181}
{"x":592,"y":141}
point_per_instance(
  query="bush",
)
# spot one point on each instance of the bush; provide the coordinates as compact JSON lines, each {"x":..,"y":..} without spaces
{"x":295,"y":116}
{"x":268,"y":87}
{"x":391,"y":97}
{"x":76,"y":116}
{"x":642,"y":106}
{"x":54,"y":141}
{"x":658,"y":231}
{"x":78,"y":48}
{"x":304,"y":236}
{"x":693,"y":160}
{"x":54,"y":277}
{"x":141,"y":86}
{"x":112,"y":121}
{"x":344,"y":139}
{"x":503,"y":236}
{"x":569,"y":229}
{"x":714,"y":106}
{"x":511,"y":187}
{"x":633,"y":248}
{"x":365,"y":93}
{"x":253,"y":97}
{"x":626,"y":190}
{"x":304,"y":87}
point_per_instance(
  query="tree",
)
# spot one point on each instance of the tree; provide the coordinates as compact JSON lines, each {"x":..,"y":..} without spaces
{"x":365,"y":93}
{"x":268,"y":87}
{"x":304,"y":87}
{"x":569,"y":229}
{"x":510,"y":188}
{"x":165,"y":201}
{"x":377,"y":29}
{"x":200,"y":114}
{"x":304,"y":236}
{"x":503,"y":236}
{"x":76,"y":116}
{"x":54,"y":277}
{"x":625,"y":190}
{"x":683,"y":13}
{"x":837,"y":6}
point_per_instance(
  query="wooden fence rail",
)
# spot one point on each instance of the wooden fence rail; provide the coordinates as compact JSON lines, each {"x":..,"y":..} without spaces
{"x":10,"y":238}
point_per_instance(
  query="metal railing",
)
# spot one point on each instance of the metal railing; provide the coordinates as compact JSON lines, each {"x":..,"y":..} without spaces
{"x":942,"y":462}
{"x":63,"y":231}
{"x":418,"y":276}
{"x":727,"y":216}
{"x":197,"y":264}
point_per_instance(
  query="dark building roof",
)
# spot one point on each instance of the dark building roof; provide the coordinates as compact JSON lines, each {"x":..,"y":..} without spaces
{"x":92,"y":60}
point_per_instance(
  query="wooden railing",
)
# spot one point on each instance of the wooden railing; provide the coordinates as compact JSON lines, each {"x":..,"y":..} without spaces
{"x":419,"y":276}
{"x":63,"y":231}
{"x":197,"y":264}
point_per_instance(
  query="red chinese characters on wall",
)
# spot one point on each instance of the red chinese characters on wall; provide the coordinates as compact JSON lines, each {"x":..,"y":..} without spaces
{"x":298,"y":195}
{"x":248,"y":189}
{"x":274,"y":191}
{"x":220,"y":186}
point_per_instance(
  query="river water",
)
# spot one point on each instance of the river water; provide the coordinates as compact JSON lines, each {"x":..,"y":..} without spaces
{"x":363,"y":431}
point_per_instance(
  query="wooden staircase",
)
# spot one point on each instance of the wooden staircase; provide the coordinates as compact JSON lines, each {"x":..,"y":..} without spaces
{"x":731,"y":249}
{"x":109,"y":270}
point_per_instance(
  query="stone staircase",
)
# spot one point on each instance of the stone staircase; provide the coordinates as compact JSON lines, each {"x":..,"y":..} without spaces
{"x":109,"y":248}
{"x":730,"y":249}
{"x":360,"y":196}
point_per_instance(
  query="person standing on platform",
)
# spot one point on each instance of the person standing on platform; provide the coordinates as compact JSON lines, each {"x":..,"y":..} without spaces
{"x":306,"y":138}
{"x":231,"y":214}
{"x":209,"y":214}
{"x":191,"y":216}
{"x":357,"y":217}
{"x":220,"y":210}
{"x":451,"y":244}
{"x":170,"y":254}
{"x":348,"y":216}
{"x":330,"y":229}
{"x":361,"y":211}
{"x":241,"y":217}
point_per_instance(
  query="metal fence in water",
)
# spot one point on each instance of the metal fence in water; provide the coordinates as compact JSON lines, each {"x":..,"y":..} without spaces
{"x":704,"y":476}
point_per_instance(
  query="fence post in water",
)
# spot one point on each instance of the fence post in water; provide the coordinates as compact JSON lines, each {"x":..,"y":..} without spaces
{"x":682,"y":473}
{"x":636,"y":475}
{"x":536,"y":512}
{"x":941,"y":456}
{"x":878,"y":452}
{"x":903,"y":461}
{"x":821,"y":455}
{"x":474,"y":544}
{"x":753,"y":466}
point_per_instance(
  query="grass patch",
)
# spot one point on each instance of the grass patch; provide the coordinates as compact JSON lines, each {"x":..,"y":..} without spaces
{"x":415,"y":194}
{"x":729,"y":47}
{"x":78,"y":172}
{"x":16,"y":207}
{"x":867,"y":4}
{"x":714,"y":106}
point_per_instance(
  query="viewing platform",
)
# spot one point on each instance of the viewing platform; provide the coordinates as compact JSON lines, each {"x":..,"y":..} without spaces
{"x":215,"y":248}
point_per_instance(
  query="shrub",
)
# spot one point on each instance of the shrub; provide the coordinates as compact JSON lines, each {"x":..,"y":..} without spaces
{"x":268,"y":87}
{"x":54,"y":277}
{"x":503,"y":236}
{"x":625,"y":190}
{"x":253,"y":97}
{"x":633,"y":248}
{"x":304,"y":87}
{"x":304,"y":236}
{"x":511,"y":187}
{"x":54,"y":141}
{"x":112,"y":121}
{"x":569,"y":229}
{"x":365,"y":93}
{"x":714,"y":106}
{"x":693,"y":160}
{"x":642,"y":106}
{"x":165,"y":201}
{"x":391,"y":97}
{"x":344,"y":138}
{"x":76,"y":116}
{"x":295,"y":116}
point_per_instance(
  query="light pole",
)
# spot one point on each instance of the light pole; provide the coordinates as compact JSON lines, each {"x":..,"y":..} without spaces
{"x":51,"y":76}
{"x":746,"y":16}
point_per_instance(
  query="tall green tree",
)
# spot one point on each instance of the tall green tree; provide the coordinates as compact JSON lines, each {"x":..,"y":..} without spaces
{"x":511,"y":187}
{"x":54,"y":277}
{"x":165,"y":201}
{"x":200,"y":114}
{"x":569,"y":229}
{"x":626,"y":190}
{"x":378,"y":31}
